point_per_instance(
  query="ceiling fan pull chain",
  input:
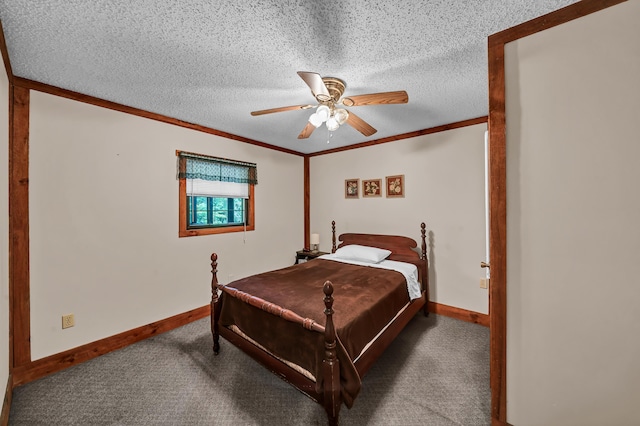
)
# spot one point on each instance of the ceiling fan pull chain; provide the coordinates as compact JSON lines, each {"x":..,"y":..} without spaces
{"x":330,"y":135}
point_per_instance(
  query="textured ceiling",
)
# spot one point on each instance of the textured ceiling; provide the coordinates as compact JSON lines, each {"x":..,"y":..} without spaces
{"x":213,"y":62}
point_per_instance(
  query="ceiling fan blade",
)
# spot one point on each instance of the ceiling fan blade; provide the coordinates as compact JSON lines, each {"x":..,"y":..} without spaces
{"x":315,"y":83}
{"x":360,"y":125}
{"x":399,"y":97}
{"x":306,"y":132}
{"x":287,"y":108}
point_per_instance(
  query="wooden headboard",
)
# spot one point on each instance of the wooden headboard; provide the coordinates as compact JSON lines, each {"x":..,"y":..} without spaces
{"x":402,"y":248}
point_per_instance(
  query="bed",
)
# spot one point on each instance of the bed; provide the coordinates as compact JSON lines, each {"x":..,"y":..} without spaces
{"x":379,"y":283}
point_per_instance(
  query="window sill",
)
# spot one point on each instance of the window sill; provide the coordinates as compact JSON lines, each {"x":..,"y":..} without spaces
{"x":212,"y":231}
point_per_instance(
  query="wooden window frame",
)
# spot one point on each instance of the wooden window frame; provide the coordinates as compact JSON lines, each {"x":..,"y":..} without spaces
{"x":184,"y":231}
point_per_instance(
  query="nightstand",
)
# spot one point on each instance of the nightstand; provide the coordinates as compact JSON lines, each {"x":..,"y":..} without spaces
{"x":308,"y":255}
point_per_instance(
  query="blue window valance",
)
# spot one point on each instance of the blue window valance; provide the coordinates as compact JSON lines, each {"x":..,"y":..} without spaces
{"x":197,"y":166}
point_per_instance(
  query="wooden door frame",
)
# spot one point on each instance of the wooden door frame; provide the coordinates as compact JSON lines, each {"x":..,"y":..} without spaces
{"x":498,"y":188}
{"x":19,"y":296}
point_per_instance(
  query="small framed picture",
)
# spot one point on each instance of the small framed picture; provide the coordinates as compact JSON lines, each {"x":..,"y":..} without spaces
{"x":395,"y":186}
{"x":371,"y":188}
{"x":351,"y":188}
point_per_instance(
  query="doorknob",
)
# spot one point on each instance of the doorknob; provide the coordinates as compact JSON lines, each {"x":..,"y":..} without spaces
{"x":485,"y":265}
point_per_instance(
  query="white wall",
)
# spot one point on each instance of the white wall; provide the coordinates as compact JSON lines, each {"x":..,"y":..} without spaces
{"x":573,"y":238}
{"x":444,"y":176}
{"x":104,"y":222}
{"x":4,"y":231}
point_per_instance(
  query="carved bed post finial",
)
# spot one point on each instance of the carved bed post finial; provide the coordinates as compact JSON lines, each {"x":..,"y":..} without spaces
{"x":331,"y":368}
{"x":215,"y":308}
{"x":423,"y":231}
{"x":425,"y":268}
{"x":333,"y":236}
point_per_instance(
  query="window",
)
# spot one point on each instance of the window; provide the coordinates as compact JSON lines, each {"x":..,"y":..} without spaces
{"x":215,"y":211}
{"x":216,"y":195}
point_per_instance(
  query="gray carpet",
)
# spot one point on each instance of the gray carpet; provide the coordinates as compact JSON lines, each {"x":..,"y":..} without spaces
{"x":435,"y":373}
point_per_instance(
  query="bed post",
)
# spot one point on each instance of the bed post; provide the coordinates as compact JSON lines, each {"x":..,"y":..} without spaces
{"x":215,"y":314}
{"x":333,"y":236}
{"x":331,"y":367}
{"x":425,"y":268}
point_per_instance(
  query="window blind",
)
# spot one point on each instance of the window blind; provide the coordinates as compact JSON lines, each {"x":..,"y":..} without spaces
{"x":208,"y":188}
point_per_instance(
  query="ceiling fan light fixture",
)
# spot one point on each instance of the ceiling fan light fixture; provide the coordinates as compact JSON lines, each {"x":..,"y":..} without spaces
{"x":328,"y":92}
{"x":332,"y":124}
{"x":315,"y":120}
{"x":341,"y":115}
{"x":323,"y":113}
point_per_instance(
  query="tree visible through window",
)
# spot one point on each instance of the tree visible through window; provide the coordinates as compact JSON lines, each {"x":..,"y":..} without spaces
{"x":216,"y":194}
{"x":216,"y":211}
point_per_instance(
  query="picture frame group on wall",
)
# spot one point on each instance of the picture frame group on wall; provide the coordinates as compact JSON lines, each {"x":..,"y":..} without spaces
{"x":373,"y":187}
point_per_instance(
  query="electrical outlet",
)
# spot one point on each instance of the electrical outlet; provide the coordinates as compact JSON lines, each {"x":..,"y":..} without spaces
{"x":484,"y":282}
{"x":68,"y":321}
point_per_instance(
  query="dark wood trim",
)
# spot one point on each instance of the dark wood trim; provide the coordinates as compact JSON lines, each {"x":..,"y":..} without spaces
{"x":54,"y":363}
{"x":52,"y":90}
{"x":498,"y":190}
{"x":19,"y":299}
{"x":422,"y":132}
{"x":8,"y":394}
{"x":5,"y":54}
{"x":307,"y":204}
{"x":182,"y":206}
{"x":497,"y":233}
{"x":46,"y":88}
{"x":458,"y":313}
{"x":6,"y":404}
{"x":550,"y":20}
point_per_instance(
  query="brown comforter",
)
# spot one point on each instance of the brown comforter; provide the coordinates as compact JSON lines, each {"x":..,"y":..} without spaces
{"x":365,"y":300}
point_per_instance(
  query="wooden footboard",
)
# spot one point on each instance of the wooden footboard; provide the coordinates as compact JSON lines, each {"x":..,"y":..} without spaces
{"x":330,"y":397}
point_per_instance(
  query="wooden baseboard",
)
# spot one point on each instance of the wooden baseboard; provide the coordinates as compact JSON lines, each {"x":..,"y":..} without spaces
{"x":54,"y":363}
{"x":6,"y":404}
{"x":458,"y":313}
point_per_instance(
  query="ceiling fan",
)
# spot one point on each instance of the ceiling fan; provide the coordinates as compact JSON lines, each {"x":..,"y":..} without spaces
{"x":328,"y":92}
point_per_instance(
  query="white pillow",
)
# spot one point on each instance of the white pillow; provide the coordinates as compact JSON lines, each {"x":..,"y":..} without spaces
{"x":362,"y":253}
